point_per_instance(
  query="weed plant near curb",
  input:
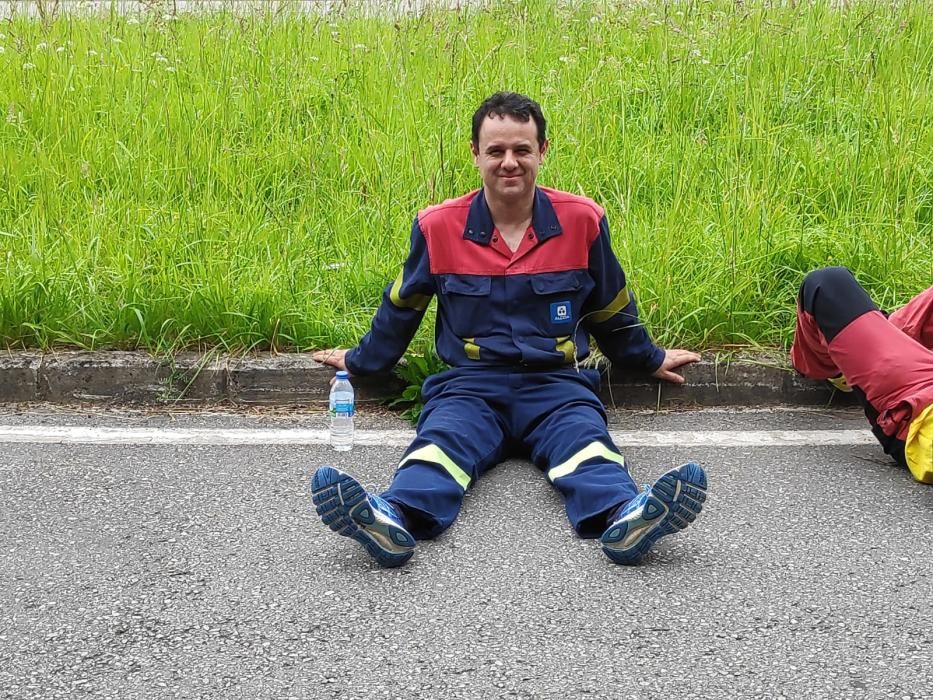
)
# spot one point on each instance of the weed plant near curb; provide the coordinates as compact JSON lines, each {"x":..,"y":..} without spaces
{"x":249,"y":181}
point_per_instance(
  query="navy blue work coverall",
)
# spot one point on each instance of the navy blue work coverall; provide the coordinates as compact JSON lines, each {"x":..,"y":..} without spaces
{"x":511,"y":325}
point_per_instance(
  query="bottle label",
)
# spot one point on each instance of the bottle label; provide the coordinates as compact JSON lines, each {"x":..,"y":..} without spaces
{"x":344,"y":409}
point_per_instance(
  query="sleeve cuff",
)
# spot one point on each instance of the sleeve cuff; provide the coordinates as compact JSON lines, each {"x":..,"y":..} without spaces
{"x":656,"y":359}
{"x":348,"y":360}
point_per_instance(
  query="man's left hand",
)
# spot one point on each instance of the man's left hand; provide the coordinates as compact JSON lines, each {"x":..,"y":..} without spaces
{"x":332,"y":358}
{"x":674,"y":359}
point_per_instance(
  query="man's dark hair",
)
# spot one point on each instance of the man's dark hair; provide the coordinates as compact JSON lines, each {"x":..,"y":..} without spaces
{"x":509,"y":104}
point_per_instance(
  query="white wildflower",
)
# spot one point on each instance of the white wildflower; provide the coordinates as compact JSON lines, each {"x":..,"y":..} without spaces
{"x":60,"y":49}
{"x":2,"y":49}
{"x":132,"y":20}
{"x":29,"y":66}
{"x":594,"y":19}
{"x":564,"y":59}
{"x":169,"y":69}
{"x":314,"y":58}
{"x":91,"y":53}
{"x":334,"y":266}
{"x":41,"y":46}
{"x":116,"y":40}
{"x":361,"y":47}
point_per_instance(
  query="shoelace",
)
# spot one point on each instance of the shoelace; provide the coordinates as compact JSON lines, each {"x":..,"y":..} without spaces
{"x":384,"y":506}
{"x":615,"y":516}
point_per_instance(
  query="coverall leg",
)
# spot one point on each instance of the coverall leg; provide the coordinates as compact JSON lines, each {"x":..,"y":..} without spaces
{"x":841,"y":331}
{"x":559,"y":417}
{"x":460,"y":435}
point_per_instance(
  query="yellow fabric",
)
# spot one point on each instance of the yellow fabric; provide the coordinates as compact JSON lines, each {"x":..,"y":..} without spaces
{"x":594,"y":449}
{"x":435,"y":455}
{"x":418,"y":302}
{"x":612,"y":308}
{"x":919,"y":446}
{"x":471,"y":348}
{"x":840,"y":383}
{"x":565,"y":345}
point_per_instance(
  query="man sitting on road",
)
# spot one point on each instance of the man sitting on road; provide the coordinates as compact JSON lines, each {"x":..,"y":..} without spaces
{"x":887,"y":361}
{"x":522,"y":274}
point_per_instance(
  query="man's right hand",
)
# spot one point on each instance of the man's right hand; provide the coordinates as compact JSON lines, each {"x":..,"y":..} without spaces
{"x":331,"y":358}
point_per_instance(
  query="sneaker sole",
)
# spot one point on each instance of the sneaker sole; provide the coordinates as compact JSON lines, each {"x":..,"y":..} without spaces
{"x":341,"y":502}
{"x":674,"y":502}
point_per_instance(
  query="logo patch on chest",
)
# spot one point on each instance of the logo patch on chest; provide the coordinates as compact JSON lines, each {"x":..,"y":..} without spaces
{"x":560,"y":312}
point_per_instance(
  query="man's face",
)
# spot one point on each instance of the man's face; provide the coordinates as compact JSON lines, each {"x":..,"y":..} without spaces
{"x":508,"y":156}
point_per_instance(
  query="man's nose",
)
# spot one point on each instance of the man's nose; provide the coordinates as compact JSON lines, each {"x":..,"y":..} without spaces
{"x":509,"y":161}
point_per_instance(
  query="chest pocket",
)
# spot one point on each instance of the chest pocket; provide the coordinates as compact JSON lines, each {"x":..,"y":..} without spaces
{"x":467,"y":298}
{"x":557,"y":302}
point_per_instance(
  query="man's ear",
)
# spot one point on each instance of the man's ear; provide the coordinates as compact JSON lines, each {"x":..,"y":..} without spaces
{"x":544,"y":147}
{"x":474,"y":150}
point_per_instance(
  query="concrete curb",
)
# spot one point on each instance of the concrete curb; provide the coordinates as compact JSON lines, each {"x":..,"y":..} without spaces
{"x":724,"y":380}
{"x":295,"y":379}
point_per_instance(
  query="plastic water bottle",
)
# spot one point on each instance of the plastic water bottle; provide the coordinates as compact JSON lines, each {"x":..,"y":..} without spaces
{"x":341,"y":413}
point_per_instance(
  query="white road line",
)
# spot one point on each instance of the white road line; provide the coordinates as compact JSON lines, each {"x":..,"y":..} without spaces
{"x":38,"y":434}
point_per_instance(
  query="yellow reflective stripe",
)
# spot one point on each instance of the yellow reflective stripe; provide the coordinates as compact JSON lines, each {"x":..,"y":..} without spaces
{"x":565,"y":345}
{"x":918,"y":449}
{"x":471,"y":348}
{"x":435,"y":455}
{"x":418,"y":302}
{"x":612,"y":308}
{"x":594,"y":449}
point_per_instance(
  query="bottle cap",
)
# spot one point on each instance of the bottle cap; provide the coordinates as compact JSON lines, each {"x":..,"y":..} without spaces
{"x":342,"y":374}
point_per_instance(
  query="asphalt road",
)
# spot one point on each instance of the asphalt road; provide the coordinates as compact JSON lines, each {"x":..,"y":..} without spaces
{"x":166,"y":571}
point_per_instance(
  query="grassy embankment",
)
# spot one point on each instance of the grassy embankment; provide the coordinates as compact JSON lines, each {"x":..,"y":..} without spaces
{"x":247,"y":182}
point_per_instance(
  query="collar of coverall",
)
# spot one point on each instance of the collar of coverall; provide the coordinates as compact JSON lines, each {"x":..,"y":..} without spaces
{"x":479,"y":224}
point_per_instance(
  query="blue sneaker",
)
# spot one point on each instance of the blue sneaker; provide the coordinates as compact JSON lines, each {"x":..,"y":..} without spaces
{"x":348,"y":510}
{"x":665,"y":507}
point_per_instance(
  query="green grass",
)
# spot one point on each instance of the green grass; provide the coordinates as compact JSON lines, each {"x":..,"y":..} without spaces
{"x":249,"y":182}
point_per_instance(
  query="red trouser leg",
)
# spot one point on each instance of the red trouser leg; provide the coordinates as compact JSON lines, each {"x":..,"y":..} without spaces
{"x":840,"y":330}
{"x":830,"y":299}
